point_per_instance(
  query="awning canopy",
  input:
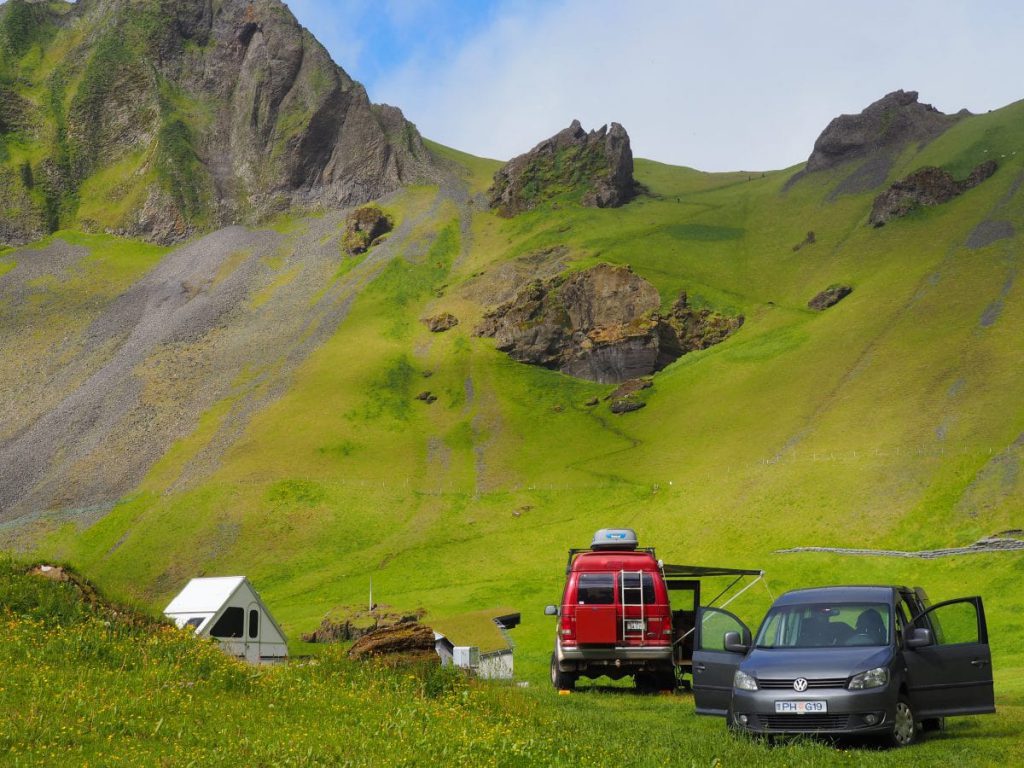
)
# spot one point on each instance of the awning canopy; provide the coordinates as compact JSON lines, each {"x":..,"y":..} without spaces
{"x":700,"y":571}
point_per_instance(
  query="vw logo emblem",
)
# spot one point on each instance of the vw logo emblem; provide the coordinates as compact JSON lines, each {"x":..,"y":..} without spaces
{"x":800,"y":685}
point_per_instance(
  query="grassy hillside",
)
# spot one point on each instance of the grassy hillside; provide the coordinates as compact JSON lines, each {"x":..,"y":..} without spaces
{"x":136,"y":692}
{"x":893,"y":420}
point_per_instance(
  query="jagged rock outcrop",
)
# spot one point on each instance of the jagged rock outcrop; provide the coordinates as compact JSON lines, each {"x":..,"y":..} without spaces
{"x":597,"y":165}
{"x":874,"y":138}
{"x":927,"y":186}
{"x":601,"y":324}
{"x":829,"y":297}
{"x":364,"y":227}
{"x":891,"y":122}
{"x":216,"y":112}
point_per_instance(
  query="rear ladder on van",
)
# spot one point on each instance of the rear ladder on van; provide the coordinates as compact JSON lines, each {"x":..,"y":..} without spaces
{"x":633,"y":596}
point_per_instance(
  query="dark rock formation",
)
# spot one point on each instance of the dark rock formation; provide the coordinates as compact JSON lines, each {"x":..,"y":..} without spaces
{"x":624,"y":399}
{"x":364,"y":227}
{"x":927,"y":186}
{"x":829,"y":297}
{"x":601,"y":324}
{"x":234,"y":111}
{"x":875,"y":137}
{"x":596,"y":165}
{"x":890,"y":123}
{"x":441,"y":322}
{"x":627,"y":405}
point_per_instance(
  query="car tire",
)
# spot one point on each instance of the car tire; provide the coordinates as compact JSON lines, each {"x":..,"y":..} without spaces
{"x":645,"y":682}
{"x":904,"y":726}
{"x":563,"y":681}
{"x":667,"y":680}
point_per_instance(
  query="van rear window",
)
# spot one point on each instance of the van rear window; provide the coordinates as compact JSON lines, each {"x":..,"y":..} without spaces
{"x":596,"y":589}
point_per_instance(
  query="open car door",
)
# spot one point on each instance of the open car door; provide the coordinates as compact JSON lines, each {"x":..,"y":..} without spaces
{"x":953,"y":674}
{"x":713,"y":666}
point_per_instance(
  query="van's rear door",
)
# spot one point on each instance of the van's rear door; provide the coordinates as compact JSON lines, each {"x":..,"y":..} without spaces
{"x":596,"y":619}
{"x":713,"y":666}
{"x":953,"y":676}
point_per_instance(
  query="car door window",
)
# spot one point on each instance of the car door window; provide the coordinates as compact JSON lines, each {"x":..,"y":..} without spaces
{"x":714,"y":623}
{"x":953,"y":624}
{"x":901,"y":622}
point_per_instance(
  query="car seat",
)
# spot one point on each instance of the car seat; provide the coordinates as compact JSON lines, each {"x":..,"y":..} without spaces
{"x":870,"y":624}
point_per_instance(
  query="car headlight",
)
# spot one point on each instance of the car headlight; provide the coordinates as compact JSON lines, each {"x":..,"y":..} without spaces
{"x":873,"y":678}
{"x":743,"y":681}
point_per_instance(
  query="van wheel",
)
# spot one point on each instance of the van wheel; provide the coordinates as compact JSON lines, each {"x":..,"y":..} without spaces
{"x":563,"y":681}
{"x":645,"y":682}
{"x":904,"y":727}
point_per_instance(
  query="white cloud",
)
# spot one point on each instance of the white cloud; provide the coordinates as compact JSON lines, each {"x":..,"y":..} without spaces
{"x":715,"y":85}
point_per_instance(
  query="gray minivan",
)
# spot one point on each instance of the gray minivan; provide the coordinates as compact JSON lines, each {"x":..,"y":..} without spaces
{"x":846,"y":660}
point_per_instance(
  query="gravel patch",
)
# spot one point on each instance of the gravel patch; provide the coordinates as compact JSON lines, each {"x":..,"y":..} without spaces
{"x":228,"y":317}
{"x":988,"y":232}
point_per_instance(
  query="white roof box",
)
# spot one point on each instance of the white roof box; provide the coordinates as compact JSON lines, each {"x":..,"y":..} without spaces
{"x":614,"y":539}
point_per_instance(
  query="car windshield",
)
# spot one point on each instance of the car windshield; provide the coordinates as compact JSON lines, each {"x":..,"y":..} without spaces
{"x":825,"y":625}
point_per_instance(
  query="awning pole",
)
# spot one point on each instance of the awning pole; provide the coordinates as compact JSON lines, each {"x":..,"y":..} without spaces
{"x":733,"y":584}
{"x":694,"y":629}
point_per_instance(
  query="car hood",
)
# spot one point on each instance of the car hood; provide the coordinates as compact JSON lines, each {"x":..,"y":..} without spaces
{"x":814,"y":663}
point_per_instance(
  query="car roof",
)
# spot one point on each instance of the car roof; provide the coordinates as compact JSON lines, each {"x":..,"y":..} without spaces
{"x":612,"y":560}
{"x":839,"y":594}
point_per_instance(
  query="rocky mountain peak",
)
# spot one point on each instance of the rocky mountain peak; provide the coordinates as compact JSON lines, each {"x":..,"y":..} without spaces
{"x":234,"y":109}
{"x":889,"y":123}
{"x":596,"y":167}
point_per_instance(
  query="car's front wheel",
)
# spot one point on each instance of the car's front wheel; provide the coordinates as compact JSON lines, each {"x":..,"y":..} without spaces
{"x":904,"y":726}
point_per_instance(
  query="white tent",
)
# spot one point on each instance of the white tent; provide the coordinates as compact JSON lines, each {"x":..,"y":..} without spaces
{"x":228,"y":609}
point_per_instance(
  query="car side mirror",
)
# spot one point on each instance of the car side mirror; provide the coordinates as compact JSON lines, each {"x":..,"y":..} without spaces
{"x":919,"y":638}
{"x":734,"y":644}
{"x":550,"y":610}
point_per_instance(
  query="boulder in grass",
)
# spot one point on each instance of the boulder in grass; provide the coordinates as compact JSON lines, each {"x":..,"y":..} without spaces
{"x":829,"y":297}
{"x":441,"y":322}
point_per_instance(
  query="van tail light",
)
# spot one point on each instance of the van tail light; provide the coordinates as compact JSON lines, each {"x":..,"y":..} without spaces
{"x":659,"y":628}
{"x":567,"y":628}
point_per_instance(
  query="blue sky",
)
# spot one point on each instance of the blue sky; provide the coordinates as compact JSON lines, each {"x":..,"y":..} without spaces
{"x":718,"y":84}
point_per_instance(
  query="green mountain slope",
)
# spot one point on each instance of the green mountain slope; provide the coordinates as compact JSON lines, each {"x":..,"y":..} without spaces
{"x":162,"y":119}
{"x":893,"y":420}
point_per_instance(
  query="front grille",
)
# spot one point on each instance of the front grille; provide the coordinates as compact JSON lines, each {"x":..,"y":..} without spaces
{"x":792,"y":723}
{"x":821,"y":682}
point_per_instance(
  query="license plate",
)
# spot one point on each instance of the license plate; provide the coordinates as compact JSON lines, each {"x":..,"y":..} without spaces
{"x":800,"y":707}
{"x":634,"y":625}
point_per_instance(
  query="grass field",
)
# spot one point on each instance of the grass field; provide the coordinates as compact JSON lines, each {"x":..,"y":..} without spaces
{"x":133,"y":692}
{"x":893,"y":420}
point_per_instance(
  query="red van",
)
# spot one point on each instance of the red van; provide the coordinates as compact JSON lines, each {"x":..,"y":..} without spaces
{"x":615,"y":618}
